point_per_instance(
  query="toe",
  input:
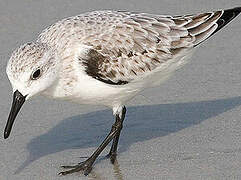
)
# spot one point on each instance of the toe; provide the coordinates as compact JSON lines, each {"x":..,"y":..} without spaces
{"x":87,"y":170}
{"x":68,"y":167}
{"x":113,"y":158}
{"x":77,"y":169}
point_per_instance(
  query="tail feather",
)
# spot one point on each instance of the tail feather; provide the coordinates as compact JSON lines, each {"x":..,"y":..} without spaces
{"x":202,"y":26}
{"x":228,"y":15}
{"x":212,"y":24}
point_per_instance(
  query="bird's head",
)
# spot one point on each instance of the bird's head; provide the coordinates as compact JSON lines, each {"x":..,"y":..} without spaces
{"x":31,"y":70}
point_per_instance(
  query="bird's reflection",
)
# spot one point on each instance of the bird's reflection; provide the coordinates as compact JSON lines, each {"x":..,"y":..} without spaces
{"x":117,"y":171}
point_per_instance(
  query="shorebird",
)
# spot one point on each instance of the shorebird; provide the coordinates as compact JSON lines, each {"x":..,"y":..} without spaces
{"x":106,"y":58}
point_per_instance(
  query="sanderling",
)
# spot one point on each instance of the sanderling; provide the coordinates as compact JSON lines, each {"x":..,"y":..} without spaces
{"x":106,"y":58}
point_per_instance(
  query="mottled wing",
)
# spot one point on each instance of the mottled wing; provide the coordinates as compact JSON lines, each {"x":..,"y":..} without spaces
{"x":144,"y":42}
{"x":125,"y":46}
{"x":136,"y":45}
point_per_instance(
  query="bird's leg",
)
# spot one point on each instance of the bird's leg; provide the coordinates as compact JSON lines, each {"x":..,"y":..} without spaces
{"x":86,"y":166}
{"x":113,"y":151}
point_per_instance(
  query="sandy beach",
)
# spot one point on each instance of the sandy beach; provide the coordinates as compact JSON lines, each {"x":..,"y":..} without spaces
{"x":186,"y":129}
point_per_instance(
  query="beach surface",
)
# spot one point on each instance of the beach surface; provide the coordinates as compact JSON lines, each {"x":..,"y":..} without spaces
{"x":188,"y":128}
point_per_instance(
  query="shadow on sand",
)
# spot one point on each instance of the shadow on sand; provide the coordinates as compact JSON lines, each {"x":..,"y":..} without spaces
{"x":142,"y":123}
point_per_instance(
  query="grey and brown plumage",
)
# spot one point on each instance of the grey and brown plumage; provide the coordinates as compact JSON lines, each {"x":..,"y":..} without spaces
{"x":125,"y":45}
{"x":106,"y":58}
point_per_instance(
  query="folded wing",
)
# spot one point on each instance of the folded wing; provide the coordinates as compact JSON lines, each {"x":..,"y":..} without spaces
{"x":125,"y":46}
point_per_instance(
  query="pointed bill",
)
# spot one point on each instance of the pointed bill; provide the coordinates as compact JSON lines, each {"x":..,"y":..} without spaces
{"x":18,"y":100}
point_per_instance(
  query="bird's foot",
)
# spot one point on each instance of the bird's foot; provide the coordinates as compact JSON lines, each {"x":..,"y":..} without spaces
{"x":85,"y":166}
{"x":112,"y":157}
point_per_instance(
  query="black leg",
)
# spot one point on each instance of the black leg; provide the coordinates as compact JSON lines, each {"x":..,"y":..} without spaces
{"x":113,"y":151}
{"x":86,"y":166}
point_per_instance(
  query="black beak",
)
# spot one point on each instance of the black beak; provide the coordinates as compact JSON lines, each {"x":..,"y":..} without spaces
{"x":18,"y":100}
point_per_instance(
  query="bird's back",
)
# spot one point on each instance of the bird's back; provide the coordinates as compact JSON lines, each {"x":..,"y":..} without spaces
{"x":125,"y":46}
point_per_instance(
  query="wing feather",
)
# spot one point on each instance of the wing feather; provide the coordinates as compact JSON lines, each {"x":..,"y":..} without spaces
{"x":125,"y":46}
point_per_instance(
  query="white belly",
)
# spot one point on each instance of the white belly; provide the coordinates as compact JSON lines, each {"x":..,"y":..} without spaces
{"x":90,"y":91}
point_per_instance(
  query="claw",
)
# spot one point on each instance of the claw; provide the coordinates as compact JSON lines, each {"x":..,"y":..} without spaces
{"x":84,"y":157}
{"x":70,"y":171}
{"x":69,"y":167}
{"x":85,"y":166}
{"x":87,"y":170}
{"x":112,"y":157}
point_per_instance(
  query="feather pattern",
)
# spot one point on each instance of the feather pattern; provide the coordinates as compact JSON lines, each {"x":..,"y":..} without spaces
{"x":124,"y":46}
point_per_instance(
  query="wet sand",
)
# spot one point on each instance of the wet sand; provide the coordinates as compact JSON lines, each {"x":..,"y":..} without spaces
{"x":188,"y":128}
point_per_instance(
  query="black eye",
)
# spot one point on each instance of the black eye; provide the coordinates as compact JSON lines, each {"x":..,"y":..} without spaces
{"x":36,"y":74}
